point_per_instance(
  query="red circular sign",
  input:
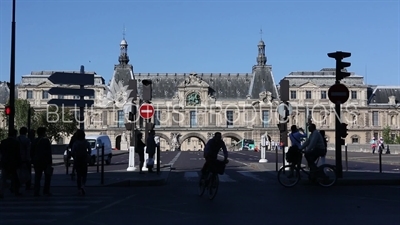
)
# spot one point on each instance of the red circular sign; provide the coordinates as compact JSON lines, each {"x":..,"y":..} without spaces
{"x":146,"y":111}
{"x":338,"y":93}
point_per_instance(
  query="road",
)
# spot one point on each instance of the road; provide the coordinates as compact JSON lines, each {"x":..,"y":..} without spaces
{"x":245,"y":197}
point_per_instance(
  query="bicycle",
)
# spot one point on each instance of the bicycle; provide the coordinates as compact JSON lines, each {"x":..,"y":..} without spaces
{"x":325,"y":175}
{"x":211,"y":183}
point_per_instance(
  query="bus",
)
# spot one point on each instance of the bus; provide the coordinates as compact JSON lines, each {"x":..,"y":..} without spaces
{"x":245,"y":144}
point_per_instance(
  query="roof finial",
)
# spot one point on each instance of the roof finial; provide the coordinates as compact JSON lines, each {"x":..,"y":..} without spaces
{"x":261,"y":33}
{"x":123,"y":32}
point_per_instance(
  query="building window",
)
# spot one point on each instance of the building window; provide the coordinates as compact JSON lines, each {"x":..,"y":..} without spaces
{"x":323,"y":94}
{"x":265,"y":118}
{"x":308,"y":94}
{"x":121,"y":119}
{"x":293,"y":94}
{"x":193,"y":119}
{"x":354,"y":140}
{"x":61,"y":97}
{"x":157,"y":116}
{"x":375,"y":118}
{"x":229,"y":118}
{"x":29,"y":94}
{"x":91,"y":97}
{"x":392,"y":136}
{"x":77,"y":97}
{"x":353,"y":94}
{"x":376,"y":135}
{"x":45,"y":94}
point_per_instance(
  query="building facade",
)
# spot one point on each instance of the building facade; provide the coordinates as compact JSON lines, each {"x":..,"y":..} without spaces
{"x":190,"y":107}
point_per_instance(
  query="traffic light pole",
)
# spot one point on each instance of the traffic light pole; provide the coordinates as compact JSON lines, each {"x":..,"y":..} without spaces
{"x":12,"y":73}
{"x":81,"y":108}
{"x":338,"y":142}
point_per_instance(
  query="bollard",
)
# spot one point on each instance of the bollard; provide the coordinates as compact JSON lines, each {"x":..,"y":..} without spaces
{"x":131,"y":163}
{"x":263,"y":147}
{"x":276,"y":158}
{"x":67,"y":165}
{"x":97,"y":158}
{"x":387,"y":150}
{"x":345,"y":152}
{"x":102,"y":164}
{"x":158,"y":154}
{"x":146,"y":156}
{"x":380,"y":160}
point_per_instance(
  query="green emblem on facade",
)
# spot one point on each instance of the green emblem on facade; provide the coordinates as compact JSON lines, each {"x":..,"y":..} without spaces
{"x":193,"y":99}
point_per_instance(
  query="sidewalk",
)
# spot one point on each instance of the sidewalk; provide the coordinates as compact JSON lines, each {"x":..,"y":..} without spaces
{"x":121,"y":178}
{"x":58,"y":159}
{"x":353,"y":177}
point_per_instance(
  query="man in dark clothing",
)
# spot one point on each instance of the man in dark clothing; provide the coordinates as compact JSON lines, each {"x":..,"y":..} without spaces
{"x":140,"y":151}
{"x":42,"y":161}
{"x":11,"y":161}
{"x":151,"y":149}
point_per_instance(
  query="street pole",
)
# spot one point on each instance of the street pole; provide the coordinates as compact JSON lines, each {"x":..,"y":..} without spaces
{"x":12,"y":73}
{"x":29,"y":118}
{"x":338,"y":142}
{"x":81,"y":108}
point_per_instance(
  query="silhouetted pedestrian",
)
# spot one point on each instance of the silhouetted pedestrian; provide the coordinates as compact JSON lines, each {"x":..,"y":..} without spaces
{"x":25,"y":151}
{"x":151,"y":150}
{"x":11,"y":162}
{"x":69,"y":155}
{"x":42,"y":161}
{"x":140,"y":151}
{"x":81,"y":152}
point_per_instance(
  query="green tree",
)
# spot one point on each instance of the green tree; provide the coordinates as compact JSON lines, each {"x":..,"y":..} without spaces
{"x":386,"y":134}
{"x":59,"y":123}
{"x":3,"y":134}
{"x":397,"y":141}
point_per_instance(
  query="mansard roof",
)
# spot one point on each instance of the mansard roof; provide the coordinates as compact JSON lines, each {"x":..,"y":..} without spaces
{"x":381,"y":94}
{"x":324,"y":77}
{"x":221,"y":85}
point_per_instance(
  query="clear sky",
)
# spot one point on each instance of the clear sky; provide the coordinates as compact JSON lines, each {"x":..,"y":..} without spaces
{"x":202,"y":36}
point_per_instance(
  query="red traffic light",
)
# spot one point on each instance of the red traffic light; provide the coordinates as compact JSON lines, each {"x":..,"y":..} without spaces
{"x":7,"y":110}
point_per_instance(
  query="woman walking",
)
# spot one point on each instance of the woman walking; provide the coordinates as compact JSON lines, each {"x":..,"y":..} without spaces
{"x":81,"y":152}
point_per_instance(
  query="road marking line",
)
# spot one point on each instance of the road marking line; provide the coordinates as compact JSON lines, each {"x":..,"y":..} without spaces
{"x":235,"y":160}
{"x":249,"y":174}
{"x":174,"y":159}
{"x":225,"y":178}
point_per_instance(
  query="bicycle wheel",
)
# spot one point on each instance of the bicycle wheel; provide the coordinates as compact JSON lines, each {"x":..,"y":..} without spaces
{"x":213,"y":186}
{"x":288,"y":177}
{"x":326,"y":175}
{"x":202,"y":186}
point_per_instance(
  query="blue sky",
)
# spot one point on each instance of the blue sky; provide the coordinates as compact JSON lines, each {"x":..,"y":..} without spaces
{"x":202,"y":36}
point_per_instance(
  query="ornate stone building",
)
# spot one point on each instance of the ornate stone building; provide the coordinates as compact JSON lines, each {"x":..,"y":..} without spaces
{"x":190,"y":107}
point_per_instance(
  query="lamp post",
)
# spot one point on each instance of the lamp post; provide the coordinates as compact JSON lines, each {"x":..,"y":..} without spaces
{"x":12,"y":73}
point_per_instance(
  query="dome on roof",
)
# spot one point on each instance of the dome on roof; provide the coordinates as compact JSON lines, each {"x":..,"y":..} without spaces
{"x":261,"y":42}
{"x":123,"y":42}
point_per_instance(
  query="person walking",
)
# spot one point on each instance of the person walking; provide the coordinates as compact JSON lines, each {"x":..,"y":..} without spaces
{"x":25,"y":151}
{"x":151,"y":150}
{"x":81,"y":152}
{"x":10,"y":162}
{"x":42,"y":161}
{"x":69,"y":155}
{"x":140,"y":151}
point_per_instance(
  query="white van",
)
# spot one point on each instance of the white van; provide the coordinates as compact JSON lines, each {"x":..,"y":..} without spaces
{"x":99,"y":140}
{"x":94,"y":141}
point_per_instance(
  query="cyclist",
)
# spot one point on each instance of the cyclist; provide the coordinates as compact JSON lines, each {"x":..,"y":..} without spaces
{"x":315,"y":147}
{"x":211,"y":152}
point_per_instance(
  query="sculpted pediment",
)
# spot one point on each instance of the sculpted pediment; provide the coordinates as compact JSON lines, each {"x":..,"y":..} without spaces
{"x":44,"y":84}
{"x":308,"y":84}
{"x":193,"y":81}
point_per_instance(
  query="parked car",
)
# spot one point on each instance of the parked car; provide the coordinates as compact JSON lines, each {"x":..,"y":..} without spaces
{"x":94,"y":141}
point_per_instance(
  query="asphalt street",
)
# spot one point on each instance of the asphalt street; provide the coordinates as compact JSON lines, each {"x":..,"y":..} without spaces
{"x":245,"y":196}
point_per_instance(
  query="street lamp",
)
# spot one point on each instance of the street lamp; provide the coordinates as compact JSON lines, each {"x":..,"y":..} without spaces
{"x":12,"y":73}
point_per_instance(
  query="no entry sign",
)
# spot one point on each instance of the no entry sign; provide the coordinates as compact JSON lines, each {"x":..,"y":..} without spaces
{"x":338,"y":93}
{"x":146,"y":111}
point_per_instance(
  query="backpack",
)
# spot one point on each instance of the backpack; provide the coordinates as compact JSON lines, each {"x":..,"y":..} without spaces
{"x":79,"y":151}
{"x":293,"y":154}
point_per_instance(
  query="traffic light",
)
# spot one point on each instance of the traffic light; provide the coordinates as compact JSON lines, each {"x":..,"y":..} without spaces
{"x":147,"y":90}
{"x":343,"y":130}
{"x":7,"y":110}
{"x":341,"y":71}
